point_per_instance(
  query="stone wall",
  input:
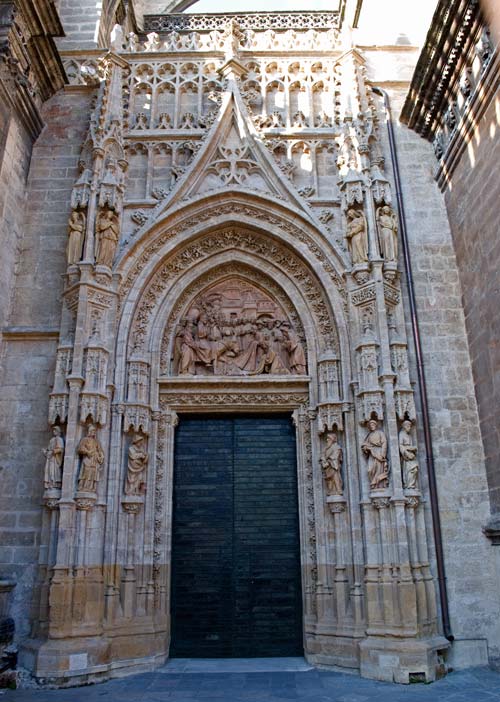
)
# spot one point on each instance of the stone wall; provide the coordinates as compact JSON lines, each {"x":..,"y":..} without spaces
{"x":15,"y":153}
{"x":472,"y":199}
{"x":30,"y":337}
{"x":471,"y":564}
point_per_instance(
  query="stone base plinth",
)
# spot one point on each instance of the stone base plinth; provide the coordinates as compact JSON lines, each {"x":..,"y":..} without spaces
{"x":402,"y":660}
{"x":332,"y":651}
{"x":68,"y":662}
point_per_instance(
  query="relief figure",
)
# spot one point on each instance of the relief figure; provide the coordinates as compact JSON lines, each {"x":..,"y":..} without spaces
{"x":235,"y":330}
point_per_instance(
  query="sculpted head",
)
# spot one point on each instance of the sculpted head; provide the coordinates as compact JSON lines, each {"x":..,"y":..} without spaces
{"x":331,"y":438}
{"x":406,"y":426}
{"x":372,"y":424}
{"x":56,"y":431}
{"x":91,"y":431}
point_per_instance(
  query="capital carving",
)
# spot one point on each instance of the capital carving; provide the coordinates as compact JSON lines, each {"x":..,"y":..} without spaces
{"x":381,"y":502}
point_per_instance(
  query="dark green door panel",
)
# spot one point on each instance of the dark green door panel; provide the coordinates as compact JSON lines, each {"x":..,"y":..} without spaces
{"x":235,"y":553}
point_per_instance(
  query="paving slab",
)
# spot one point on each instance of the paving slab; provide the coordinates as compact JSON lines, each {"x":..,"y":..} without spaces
{"x":266,"y":680}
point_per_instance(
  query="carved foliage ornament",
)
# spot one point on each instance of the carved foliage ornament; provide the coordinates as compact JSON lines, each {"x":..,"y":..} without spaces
{"x":232,"y":209}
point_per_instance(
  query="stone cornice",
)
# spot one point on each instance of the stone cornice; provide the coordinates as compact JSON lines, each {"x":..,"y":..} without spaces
{"x":449,"y":40}
{"x":31,"y":69}
{"x":257,"y":21}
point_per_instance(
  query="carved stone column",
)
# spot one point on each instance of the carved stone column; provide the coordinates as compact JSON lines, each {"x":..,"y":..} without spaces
{"x":162,"y":554}
{"x":132,"y":505}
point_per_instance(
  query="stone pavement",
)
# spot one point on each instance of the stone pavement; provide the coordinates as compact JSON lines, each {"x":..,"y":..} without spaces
{"x":266,"y":680}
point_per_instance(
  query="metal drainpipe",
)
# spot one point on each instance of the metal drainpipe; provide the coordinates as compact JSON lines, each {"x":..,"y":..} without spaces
{"x":433,"y":491}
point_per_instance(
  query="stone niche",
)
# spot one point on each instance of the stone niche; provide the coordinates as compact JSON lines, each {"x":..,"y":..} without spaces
{"x":236,"y":329}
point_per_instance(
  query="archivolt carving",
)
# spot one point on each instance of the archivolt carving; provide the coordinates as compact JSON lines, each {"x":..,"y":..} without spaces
{"x":245,"y":241}
{"x":233,"y":209}
{"x":218,"y":273}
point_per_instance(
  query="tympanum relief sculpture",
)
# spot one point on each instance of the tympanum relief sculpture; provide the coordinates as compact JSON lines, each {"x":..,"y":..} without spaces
{"x":236,"y":329}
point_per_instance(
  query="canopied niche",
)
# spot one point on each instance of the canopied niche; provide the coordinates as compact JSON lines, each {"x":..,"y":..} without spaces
{"x":235,"y":328}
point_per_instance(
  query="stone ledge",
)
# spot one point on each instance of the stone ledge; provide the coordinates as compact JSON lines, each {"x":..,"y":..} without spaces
{"x":492,"y":529}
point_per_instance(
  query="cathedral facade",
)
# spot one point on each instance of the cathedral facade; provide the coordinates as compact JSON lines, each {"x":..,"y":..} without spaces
{"x":225,"y":267}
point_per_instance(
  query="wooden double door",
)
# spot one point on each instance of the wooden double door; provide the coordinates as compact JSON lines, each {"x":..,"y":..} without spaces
{"x":236,"y":585}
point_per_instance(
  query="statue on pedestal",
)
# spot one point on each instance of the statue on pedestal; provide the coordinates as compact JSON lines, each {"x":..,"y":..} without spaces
{"x":76,"y":237}
{"x":54,"y":455}
{"x":375,"y":449}
{"x":136,"y":466}
{"x":388,"y":233}
{"x":408,"y":453}
{"x":331,"y":463}
{"x":107,"y":236}
{"x":357,"y":236}
{"x":92,"y":459}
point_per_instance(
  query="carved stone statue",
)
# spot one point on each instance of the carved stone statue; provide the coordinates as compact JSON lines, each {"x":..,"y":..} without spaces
{"x":270,"y":362}
{"x":136,"y":466}
{"x":295,"y":350}
{"x":388,"y":233}
{"x":331,"y":463}
{"x":132,"y":42}
{"x":76,"y":237}
{"x":187,"y":349}
{"x":375,"y":449}
{"x":117,"y":38}
{"x":107,"y":236}
{"x":153,"y":42}
{"x":54,"y":455}
{"x":92,"y":459}
{"x":408,"y":453}
{"x":357,"y":236}
{"x":232,"y":37}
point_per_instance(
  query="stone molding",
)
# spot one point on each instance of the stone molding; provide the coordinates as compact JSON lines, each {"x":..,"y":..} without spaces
{"x":220,"y":394}
{"x":31,"y":69}
{"x":456,"y":77}
{"x":257,"y":21}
